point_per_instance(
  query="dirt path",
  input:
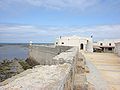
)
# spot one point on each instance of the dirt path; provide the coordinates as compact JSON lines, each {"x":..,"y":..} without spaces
{"x":109,"y":66}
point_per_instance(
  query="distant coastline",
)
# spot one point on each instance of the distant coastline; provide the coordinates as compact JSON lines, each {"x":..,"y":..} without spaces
{"x":13,"y":58}
{"x":25,"y":43}
{"x":10,"y":51}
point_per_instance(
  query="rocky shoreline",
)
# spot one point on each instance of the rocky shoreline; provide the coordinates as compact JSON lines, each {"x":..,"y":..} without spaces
{"x":9,"y":68}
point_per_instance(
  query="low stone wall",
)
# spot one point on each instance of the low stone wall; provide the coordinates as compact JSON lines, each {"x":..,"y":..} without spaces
{"x":43,"y":54}
{"x":71,"y":57}
{"x":79,"y":69}
{"x":66,"y":57}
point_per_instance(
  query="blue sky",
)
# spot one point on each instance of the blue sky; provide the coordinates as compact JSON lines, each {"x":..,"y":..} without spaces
{"x":44,"y":20}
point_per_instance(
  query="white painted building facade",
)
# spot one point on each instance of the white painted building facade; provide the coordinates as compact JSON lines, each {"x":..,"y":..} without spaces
{"x":117,"y":48}
{"x":108,"y":42}
{"x":85,"y":44}
{"x":107,"y":45}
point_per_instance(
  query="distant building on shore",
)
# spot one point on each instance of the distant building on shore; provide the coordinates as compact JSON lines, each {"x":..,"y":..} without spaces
{"x":85,"y":44}
{"x":106,"y":45}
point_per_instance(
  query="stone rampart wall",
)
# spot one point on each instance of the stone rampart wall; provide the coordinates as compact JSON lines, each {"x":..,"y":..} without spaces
{"x":58,"y":73}
{"x":71,"y":57}
{"x":54,"y":77}
{"x":43,"y":54}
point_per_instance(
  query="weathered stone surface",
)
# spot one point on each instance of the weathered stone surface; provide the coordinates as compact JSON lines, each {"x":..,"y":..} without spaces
{"x":55,"y":77}
{"x":43,"y":54}
{"x":70,"y":56}
{"x":80,"y":82}
{"x":67,"y":71}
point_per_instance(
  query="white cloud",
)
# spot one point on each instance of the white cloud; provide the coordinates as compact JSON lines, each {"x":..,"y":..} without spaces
{"x":68,"y":5}
{"x":61,"y":4}
{"x":26,"y":32}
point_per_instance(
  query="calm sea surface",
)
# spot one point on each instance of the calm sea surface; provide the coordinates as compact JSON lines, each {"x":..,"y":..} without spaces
{"x":11,"y":51}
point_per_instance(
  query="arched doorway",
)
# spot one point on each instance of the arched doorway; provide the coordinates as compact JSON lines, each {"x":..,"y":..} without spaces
{"x":81,"y":46}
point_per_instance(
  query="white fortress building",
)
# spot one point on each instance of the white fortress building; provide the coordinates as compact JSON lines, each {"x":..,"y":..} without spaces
{"x":85,"y":44}
{"x":107,"y":45}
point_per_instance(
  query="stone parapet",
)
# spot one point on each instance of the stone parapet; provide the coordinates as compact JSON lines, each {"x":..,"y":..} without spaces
{"x":54,"y":77}
{"x":50,"y":76}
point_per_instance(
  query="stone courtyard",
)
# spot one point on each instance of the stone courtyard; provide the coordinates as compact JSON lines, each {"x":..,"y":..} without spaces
{"x":108,"y":64}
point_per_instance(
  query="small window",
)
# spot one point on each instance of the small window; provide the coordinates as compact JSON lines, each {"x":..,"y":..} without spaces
{"x":56,"y":42}
{"x":109,"y":44}
{"x":87,"y":41}
{"x":101,"y":44}
{"x":62,"y":42}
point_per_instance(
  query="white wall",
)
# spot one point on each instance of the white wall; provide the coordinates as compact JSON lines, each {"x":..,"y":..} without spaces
{"x":90,"y":45}
{"x":117,"y":48}
{"x":107,"y":42}
{"x":76,"y":41}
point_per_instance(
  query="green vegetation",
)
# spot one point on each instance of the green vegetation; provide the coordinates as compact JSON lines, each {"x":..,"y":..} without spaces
{"x":24,"y":65}
{"x":9,"y":68}
{"x":5,"y":70}
{"x":4,"y":66}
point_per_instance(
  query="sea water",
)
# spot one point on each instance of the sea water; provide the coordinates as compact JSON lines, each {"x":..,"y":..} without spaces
{"x":11,"y":51}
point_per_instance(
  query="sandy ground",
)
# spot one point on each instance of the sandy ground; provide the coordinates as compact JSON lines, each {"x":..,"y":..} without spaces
{"x":109,"y":66}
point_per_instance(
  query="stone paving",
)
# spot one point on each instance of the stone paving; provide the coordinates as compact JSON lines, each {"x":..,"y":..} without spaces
{"x":108,"y":64}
